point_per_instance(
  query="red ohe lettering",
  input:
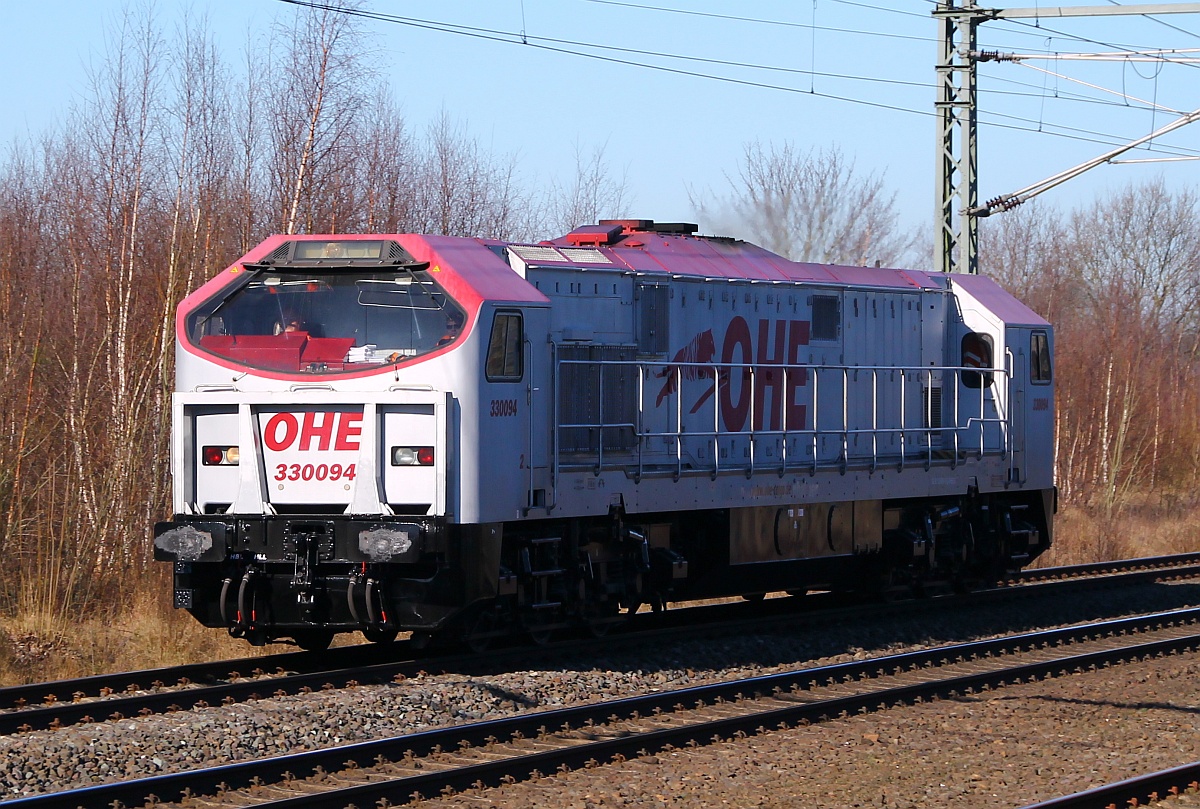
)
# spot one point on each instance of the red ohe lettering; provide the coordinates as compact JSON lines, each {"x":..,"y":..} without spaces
{"x":349,"y":429}
{"x":779,"y":343}
{"x":323,"y":432}
{"x":284,"y":431}
{"x":271,"y":436}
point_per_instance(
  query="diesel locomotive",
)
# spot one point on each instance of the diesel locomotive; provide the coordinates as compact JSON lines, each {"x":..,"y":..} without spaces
{"x":474,"y":438}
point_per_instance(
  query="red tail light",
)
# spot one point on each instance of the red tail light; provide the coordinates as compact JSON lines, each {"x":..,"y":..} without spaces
{"x":412,"y":456}
{"x":220,"y":456}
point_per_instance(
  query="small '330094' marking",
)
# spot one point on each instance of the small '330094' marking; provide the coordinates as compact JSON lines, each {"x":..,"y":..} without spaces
{"x":504,"y":407}
{"x":314,"y":472}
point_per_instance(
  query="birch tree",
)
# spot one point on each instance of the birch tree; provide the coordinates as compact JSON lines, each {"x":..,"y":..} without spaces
{"x":592,"y":193}
{"x":318,"y":92}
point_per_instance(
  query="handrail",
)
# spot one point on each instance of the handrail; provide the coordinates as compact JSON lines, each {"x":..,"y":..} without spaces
{"x":862,"y":401}
{"x":554,"y":400}
{"x":1010,"y":361}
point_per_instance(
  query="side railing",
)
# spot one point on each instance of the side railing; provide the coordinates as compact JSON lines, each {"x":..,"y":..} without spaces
{"x":898,"y":413}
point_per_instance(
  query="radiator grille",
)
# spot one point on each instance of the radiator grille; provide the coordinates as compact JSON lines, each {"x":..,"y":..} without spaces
{"x":581,"y":398}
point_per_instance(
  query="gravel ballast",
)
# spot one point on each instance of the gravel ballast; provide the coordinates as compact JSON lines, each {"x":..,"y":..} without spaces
{"x":1004,"y":748}
{"x":82,"y":755}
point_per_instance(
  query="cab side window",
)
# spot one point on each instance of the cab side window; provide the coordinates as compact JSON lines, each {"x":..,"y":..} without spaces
{"x":1039,"y":358}
{"x":505,"y":355}
{"x":976,"y":353}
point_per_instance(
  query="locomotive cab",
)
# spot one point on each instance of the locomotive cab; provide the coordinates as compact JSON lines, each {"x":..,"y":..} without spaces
{"x":301,"y":459}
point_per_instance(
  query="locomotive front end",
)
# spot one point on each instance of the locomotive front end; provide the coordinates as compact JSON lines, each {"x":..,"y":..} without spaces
{"x":312,"y":433}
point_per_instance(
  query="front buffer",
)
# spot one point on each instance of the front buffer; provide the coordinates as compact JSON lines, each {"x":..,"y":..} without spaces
{"x":310,"y":577}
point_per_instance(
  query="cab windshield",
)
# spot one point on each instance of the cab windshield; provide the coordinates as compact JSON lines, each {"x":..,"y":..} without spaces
{"x":326,"y":321}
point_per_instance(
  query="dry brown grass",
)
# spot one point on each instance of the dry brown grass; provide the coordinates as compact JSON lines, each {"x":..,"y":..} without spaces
{"x":1155,"y":528}
{"x":146,"y":633}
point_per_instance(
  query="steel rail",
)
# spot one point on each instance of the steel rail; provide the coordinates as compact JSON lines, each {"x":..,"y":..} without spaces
{"x":380,"y":663}
{"x":15,"y":696}
{"x":1141,"y":790}
{"x":1101,"y":568}
{"x":238,"y":775}
{"x":365,"y":664}
{"x":494,"y":773}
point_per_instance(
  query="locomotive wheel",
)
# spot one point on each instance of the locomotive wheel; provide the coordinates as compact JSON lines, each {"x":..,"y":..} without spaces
{"x":482,"y":629}
{"x":600,"y":619}
{"x":376,"y":635}
{"x":753,"y":598}
{"x":313,"y":640}
{"x":540,"y":631}
{"x":478,"y":644}
{"x":599,"y":628}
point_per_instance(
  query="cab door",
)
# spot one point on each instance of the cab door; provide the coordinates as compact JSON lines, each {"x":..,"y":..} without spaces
{"x":515,"y":431}
{"x":1018,"y":339}
{"x":539,"y":422}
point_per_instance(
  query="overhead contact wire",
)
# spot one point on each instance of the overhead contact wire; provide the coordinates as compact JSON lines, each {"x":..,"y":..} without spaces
{"x":509,"y":38}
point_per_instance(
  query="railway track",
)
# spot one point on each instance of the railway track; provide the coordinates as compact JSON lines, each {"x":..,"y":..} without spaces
{"x":534,"y":744}
{"x":115,"y":697}
{"x":1142,"y":790}
{"x":1146,"y":564}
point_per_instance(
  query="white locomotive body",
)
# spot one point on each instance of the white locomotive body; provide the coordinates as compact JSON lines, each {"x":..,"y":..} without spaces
{"x":436,"y":434}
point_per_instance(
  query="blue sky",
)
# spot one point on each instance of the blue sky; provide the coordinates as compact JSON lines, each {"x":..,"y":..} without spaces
{"x":668,"y":132}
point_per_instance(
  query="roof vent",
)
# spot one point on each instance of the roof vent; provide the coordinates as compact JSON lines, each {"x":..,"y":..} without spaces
{"x":650,"y":226}
{"x":280,"y":253}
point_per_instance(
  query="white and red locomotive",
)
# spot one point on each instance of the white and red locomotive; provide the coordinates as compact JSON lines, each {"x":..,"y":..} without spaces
{"x":432,"y":434}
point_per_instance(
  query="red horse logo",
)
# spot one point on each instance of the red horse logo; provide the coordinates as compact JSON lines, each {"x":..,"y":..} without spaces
{"x":702,"y":348}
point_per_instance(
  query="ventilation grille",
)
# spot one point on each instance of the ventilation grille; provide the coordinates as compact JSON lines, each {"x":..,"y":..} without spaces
{"x":533,"y":254}
{"x":826,"y":317}
{"x":931,"y":408}
{"x":583,"y":255}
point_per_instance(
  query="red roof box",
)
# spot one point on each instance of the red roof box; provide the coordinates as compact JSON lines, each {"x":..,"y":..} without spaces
{"x":594,"y":235}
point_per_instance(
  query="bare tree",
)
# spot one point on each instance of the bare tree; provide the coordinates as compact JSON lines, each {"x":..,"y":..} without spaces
{"x":388,"y":179}
{"x":200,"y":150}
{"x":594,"y":192}
{"x":1025,"y":251}
{"x":250,"y":183}
{"x":23,"y":434}
{"x":464,"y":191}
{"x":1144,"y":238}
{"x":313,"y":103}
{"x":1119,"y":279}
{"x":115,"y":174}
{"x":809,"y":206}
